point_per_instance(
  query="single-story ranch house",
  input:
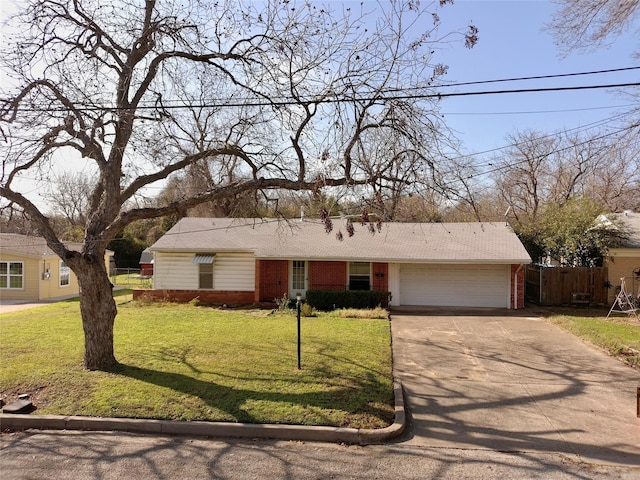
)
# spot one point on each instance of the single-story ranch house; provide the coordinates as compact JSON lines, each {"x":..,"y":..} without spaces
{"x":30,"y":270}
{"x":255,"y":261}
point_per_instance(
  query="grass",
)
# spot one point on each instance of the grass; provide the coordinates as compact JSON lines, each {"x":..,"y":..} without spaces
{"x":185,"y":362}
{"x":619,"y":335}
{"x":131,"y":280}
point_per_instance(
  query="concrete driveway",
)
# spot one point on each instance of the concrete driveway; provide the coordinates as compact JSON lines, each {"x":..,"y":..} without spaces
{"x":7,"y":306}
{"x":492,"y":379}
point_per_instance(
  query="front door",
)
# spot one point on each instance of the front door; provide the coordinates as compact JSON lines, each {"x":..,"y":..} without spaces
{"x":298,"y":279}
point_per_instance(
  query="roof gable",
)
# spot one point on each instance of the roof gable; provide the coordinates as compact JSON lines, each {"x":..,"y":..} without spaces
{"x":396,"y":242}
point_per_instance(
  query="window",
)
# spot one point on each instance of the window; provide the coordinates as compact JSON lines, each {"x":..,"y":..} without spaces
{"x":205,"y":276}
{"x":205,"y":269}
{"x":11,"y":275}
{"x":359,"y":276}
{"x":65,"y":275}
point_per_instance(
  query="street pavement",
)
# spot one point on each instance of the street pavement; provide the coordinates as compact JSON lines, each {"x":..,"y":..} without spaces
{"x":490,"y":394}
{"x":68,"y":455}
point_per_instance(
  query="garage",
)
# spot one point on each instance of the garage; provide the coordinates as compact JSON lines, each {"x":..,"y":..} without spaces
{"x":468,"y":285}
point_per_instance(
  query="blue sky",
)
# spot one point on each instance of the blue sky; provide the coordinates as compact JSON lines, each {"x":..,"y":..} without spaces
{"x":514,"y":44}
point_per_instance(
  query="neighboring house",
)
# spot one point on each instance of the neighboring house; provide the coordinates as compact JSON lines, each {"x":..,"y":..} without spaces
{"x":623,"y":261}
{"x":30,"y":270}
{"x":253,"y":261}
{"x":146,"y":263}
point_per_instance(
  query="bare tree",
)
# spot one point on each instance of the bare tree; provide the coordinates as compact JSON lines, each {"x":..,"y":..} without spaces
{"x":615,"y":183}
{"x":589,"y":24}
{"x":540,"y":169}
{"x":556,"y":186}
{"x":585,"y":25}
{"x":271,"y":95}
{"x":69,"y":197}
{"x":523,"y":174}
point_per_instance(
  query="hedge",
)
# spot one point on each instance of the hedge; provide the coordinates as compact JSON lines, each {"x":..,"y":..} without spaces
{"x":327,"y":300}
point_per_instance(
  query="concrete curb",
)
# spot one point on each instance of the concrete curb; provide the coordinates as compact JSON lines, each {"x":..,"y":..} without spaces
{"x":216,"y":429}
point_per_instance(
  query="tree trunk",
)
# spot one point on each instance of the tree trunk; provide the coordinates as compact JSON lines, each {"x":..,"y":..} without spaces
{"x":98,"y":310}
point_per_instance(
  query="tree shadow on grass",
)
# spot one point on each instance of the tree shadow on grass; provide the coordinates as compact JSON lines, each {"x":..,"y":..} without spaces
{"x":233,"y":401}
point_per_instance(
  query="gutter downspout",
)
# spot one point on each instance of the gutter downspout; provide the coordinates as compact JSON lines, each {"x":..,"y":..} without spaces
{"x":515,"y":286}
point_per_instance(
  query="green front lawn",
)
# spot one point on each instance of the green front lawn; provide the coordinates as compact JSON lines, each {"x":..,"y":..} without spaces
{"x":619,"y":334}
{"x":184,"y":362}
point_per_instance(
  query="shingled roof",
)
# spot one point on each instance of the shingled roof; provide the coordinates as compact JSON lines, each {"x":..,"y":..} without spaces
{"x":396,"y":242}
{"x":30,"y":245}
{"x":632,"y":222}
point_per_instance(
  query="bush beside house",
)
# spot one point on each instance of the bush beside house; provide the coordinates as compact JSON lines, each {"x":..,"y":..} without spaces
{"x":326,"y":300}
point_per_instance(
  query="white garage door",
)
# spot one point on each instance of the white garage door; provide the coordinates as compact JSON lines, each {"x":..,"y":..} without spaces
{"x":454,"y":285}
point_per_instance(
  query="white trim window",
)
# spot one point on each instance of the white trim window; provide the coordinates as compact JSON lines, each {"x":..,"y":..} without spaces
{"x":65,"y":275}
{"x":359,"y":276}
{"x":205,"y":269}
{"x":11,"y":275}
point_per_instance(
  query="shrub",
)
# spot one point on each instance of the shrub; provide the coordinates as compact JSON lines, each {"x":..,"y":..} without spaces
{"x":307,"y":310}
{"x":326,"y":300}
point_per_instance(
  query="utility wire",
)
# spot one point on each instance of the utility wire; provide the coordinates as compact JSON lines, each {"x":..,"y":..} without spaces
{"x":539,"y":77}
{"x":542,"y":137}
{"x":285,"y":103}
{"x":531,"y":112}
{"x":558,"y":150}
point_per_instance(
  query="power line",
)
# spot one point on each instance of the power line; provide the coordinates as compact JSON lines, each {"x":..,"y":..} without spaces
{"x":540,"y":77}
{"x":530,"y":112}
{"x":536,"y":90}
{"x":558,"y":150}
{"x":425,"y":96}
{"x":479,"y":82}
{"x":284,"y":103}
{"x":542,"y":137}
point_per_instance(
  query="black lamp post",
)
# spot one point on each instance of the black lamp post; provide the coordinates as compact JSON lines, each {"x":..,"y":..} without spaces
{"x":298,"y":315}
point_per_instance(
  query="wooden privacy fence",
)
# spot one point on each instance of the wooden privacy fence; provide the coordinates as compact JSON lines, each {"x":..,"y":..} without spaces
{"x":549,"y":286}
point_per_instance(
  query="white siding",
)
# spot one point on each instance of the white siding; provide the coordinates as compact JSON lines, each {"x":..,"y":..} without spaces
{"x":234,"y":271}
{"x":176,"y":271}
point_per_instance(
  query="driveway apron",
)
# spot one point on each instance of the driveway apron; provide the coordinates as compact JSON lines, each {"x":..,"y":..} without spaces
{"x":511,"y":381}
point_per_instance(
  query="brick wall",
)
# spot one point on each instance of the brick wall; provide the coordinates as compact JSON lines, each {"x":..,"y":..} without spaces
{"x":520,"y":280}
{"x":380,"y":276}
{"x":327,"y":275}
{"x":272,"y":280}
{"x":146,"y":269}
